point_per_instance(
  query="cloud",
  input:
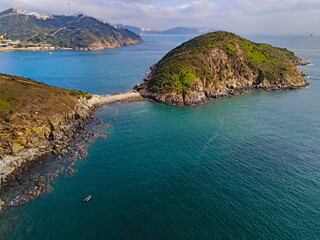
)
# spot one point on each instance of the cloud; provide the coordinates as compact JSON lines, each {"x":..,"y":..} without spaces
{"x":278,"y":6}
{"x":241,"y":16}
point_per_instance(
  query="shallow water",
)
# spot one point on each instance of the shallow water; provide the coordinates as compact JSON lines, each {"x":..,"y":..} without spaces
{"x":246,"y":167}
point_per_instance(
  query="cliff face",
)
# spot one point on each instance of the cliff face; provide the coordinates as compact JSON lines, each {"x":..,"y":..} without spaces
{"x":123,"y":37}
{"x":220,"y":64}
{"x":37,"y":119}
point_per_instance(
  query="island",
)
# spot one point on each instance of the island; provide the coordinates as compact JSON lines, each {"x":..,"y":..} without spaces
{"x":38,"y":120}
{"x":23,"y":30}
{"x":220,"y":64}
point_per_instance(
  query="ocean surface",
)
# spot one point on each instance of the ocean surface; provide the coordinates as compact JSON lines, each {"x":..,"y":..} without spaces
{"x":246,"y":167}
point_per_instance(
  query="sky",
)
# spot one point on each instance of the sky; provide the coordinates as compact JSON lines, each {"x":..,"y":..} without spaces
{"x":239,"y":16}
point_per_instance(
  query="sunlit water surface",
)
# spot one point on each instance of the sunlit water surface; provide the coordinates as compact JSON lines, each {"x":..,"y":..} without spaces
{"x":246,"y":167}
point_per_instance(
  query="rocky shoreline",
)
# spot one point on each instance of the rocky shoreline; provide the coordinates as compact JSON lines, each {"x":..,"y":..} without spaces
{"x":100,"y":45}
{"x":68,"y":139}
{"x":93,"y":47}
{"x":63,"y":162}
{"x":198,"y":98}
{"x":51,"y":137}
{"x":220,"y":64}
{"x":199,"y":94}
{"x":67,"y":136}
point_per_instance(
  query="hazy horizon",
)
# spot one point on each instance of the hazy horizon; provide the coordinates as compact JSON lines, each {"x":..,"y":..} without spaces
{"x":240,"y":16}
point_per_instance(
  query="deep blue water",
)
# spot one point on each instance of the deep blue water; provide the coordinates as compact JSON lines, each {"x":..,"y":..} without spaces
{"x":246,"y":167}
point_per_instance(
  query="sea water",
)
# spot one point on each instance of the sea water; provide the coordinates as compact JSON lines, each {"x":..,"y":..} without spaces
{"x":246,"y":167}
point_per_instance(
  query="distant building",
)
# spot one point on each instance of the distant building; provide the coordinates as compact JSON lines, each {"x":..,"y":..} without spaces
{"x":6,"y":41}
{"x":42,"y":16}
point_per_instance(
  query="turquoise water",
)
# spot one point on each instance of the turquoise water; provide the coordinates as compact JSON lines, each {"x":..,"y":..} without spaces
{"x":246,"y":167}
{"x":100,"y":72}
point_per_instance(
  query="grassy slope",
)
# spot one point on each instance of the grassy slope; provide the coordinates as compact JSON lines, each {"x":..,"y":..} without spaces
{"x":34,"y":114}
{"x":177,"y":70}
{"x":19,"y":96}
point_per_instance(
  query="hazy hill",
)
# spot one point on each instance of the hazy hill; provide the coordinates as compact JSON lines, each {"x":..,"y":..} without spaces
{"x":76,"y":32}
{"x":186,"y":30}
{"x":172,"y":31}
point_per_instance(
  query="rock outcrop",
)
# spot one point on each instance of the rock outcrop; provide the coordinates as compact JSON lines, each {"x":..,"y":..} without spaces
{"x":220,"y":64}
{"x":37,"y":119}
{"x":42,"y":137}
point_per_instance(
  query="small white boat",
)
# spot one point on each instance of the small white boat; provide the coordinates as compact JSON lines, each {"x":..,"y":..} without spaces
{"x":87,"y":199}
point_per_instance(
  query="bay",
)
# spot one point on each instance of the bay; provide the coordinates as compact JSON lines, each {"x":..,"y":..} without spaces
{"x":246,"y":167}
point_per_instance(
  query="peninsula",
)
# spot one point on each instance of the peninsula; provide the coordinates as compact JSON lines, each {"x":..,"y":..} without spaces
{"x":37,"y":119}
{"x":220,"y":64}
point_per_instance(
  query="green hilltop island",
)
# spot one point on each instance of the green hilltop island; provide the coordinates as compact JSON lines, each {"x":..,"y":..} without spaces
{"x":220,"y":64}
{"x":38,"y":120}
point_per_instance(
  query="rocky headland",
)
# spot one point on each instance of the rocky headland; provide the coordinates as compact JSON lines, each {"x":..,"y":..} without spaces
{"x":38,"y":120}
{"x":220,"y":64}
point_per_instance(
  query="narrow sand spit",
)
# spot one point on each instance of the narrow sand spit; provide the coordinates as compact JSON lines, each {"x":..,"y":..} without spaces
{"x":98,"y":100}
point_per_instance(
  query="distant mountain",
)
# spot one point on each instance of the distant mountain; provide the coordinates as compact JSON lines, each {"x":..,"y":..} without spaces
{"x":186,"y":30}
{"x":136,"y":30}
{"x":172,"y":31}
{"x":76,"y":32}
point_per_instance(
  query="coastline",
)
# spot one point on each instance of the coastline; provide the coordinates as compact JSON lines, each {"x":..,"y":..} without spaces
{"x":55,"y":48}
{"x":99,"y":100}
{"x":201,"y":94}
{"x":77,"y":126}
{"x":34,"y":178}
{"x":199,"y":98}
{"x":10,"y":49}
{"x":75,"y":121}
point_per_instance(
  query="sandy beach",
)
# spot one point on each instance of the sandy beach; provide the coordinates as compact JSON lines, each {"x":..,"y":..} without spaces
{"x":99,"y":100}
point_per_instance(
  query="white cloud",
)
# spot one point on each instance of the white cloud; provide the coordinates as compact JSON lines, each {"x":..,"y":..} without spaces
{"x":286,"y":16}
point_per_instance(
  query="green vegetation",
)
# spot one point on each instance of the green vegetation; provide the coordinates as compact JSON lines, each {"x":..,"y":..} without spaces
{"x":20,"y":96}
{"x":63,"y":31}
{"x":4,"y":104}
{"x":31,"y":113}
{"x":256,"y":53}
{"x":79,"y":93}
{"x":193,"y":59}
{"x":230,"y":46}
